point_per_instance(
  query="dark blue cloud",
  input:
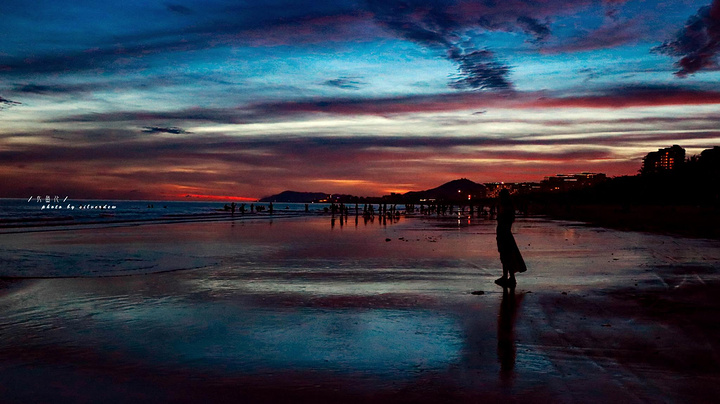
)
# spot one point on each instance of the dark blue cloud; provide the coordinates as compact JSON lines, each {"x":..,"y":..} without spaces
{"x":448,"y":26}
{"x":5,"y":103}
{"x":607,"y":36}
{"x":698,"y":43}
{"x":429,"y":24}
{"x":56,"y":89}
{"x":160,"y":129}
{"x":534,"y":27}
{"x":179,"y":8}
{"x":219,"y":24}
{"x":346,"y":83}
{"x":99,"y":59}
{"x":443,"y":25}
{"x":214,"y":115}
{"x":479,"y":70}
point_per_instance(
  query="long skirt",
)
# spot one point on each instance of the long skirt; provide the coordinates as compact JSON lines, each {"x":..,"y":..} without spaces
{"x":510,"y":255}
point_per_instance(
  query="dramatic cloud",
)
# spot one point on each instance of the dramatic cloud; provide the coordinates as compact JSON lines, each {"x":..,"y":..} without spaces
{"x":160,"y":99}
{"x":286,"y":110}
{"x":287,"y":150}
{"x":257,"y":165}
{"x":698,"y":43}
{"x":618,"y":97}
{"x":446,"y":23}
{"x":431,"y":25}
{"x":218,"y":26}
{"x":452,"y":26}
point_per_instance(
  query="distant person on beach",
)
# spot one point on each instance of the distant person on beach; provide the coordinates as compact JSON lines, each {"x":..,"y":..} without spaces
{"x":512,"y":260}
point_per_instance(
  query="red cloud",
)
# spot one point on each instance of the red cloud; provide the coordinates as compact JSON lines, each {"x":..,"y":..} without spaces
{"x":632,"y":97}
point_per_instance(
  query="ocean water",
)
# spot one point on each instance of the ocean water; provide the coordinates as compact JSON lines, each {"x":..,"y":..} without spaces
{"x":31,"y":213}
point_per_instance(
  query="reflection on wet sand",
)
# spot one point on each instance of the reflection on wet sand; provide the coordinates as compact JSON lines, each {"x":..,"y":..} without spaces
{"x":384,"y":315}
{"x":367,"y":219}
{"x":506,"y":346}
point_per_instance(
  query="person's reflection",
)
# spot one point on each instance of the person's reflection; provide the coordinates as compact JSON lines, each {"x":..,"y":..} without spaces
{"x":506,"y":333}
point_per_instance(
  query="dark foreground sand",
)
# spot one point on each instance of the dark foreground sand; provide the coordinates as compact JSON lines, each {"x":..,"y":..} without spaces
{"x":299,"y":310}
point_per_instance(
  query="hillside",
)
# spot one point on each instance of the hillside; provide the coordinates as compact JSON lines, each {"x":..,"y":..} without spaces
{"x":295,"y":197}
{"x":453,"y":191}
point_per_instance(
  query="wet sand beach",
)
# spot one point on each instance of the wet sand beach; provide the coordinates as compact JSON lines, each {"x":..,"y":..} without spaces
{"x":304,"y":310}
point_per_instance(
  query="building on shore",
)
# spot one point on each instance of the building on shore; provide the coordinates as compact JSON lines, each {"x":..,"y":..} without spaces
{"x":665,"y":159}
{"x":566,"y":182}
{"x":494,"y":188}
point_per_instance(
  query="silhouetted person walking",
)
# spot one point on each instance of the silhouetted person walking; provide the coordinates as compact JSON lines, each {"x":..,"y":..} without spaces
{"x":512,"y":260}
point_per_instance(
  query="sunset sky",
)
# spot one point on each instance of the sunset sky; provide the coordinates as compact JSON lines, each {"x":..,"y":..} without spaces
{"x":162,"y":99}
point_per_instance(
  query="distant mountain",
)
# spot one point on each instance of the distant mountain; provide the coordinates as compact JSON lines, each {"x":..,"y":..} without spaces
{"x":453,"y":191}
{"x":295,"y":197}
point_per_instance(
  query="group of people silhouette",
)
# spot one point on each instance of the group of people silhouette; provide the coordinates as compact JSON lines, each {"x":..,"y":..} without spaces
{"x":232,"y":207}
